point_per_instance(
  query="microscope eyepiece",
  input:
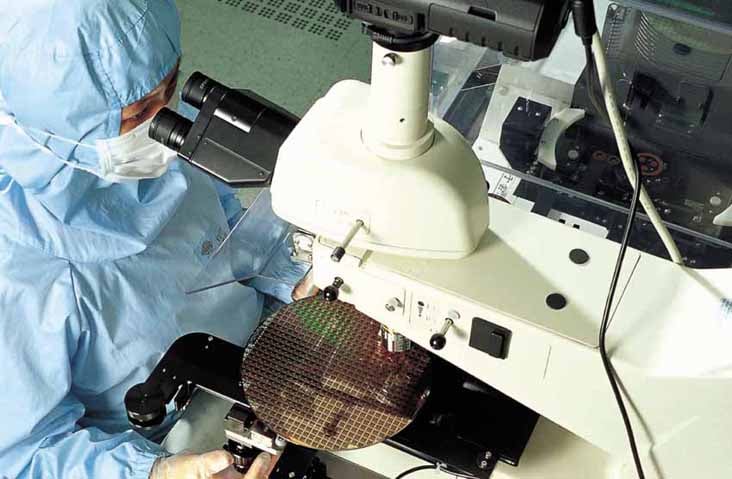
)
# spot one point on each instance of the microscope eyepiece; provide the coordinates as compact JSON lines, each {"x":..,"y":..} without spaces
{"x":170,"y":128}
{"x":197,"y":89}
{"x":235,"y":137}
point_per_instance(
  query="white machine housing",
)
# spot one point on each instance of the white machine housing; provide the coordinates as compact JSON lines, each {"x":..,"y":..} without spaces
{"x":421,"y":194}
{"x":670,"y":343}
{"x":372,"y":154}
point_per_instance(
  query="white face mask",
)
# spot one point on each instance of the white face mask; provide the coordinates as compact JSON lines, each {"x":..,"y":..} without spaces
{"x":128,"y":157}
{"x":133,"y":156}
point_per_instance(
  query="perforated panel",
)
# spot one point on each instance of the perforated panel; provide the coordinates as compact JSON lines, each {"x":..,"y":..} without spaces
{"x":319,"y":17}
{"x":668,"y":44}
{"x":318,"y":375}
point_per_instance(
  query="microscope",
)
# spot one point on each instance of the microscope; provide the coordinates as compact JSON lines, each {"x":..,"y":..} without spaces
{"x":508,"y":303}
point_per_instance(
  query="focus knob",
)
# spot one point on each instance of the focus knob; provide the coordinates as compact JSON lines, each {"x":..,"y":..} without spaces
{"x":145,"y":406}
{"x":330,"y":293}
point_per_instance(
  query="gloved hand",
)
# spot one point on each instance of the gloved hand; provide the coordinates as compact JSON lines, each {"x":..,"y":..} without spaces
{"x":305,"y":288}
{"x":212,"y":465}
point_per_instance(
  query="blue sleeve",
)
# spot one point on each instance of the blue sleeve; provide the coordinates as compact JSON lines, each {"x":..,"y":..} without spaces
{"x":281,"y":274}
{"x":267,"y":237}
{"x":40,"y":338}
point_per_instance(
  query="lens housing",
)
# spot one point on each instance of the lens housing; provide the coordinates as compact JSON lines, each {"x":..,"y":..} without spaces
{"x":170,"y":129}
{"x":197,"y":89}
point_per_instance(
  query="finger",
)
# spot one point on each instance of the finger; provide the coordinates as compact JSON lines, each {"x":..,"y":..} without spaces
{"x":228,"y":473}
{"x":215,"y":461}
{"x":272,"y":465}
{"x":305,"y":288}
{"x":260,"y":467}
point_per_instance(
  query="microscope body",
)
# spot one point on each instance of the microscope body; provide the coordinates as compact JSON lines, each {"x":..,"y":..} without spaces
{"x":431,"y":205}
{"x":501,"y":297}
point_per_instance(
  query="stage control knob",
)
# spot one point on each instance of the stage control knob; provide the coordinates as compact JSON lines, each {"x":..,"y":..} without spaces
{"x":438,"y":340}
{"x":145,"y":406}
{"x":330,"y":293}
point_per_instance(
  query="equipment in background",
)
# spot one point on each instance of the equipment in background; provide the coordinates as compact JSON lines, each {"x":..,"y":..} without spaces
{"x":684,"y":166}
{"x":673,"y":72}
{"x":236,"y":136}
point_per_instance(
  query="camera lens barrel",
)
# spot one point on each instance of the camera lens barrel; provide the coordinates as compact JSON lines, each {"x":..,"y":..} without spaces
{"x":170,"y":128}
{"x":197,"y":89}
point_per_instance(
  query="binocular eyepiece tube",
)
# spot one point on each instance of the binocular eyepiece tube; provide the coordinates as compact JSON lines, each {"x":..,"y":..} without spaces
{"x":235,"y":137}
{"x":170,"y":128}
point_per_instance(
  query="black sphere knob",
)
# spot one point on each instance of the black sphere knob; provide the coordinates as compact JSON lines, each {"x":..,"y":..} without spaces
{"x":330,"y":293}
{"x":438,"y":341}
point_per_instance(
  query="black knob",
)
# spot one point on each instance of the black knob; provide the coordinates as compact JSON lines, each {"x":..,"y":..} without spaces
{"x":437,"y":341}
{"x":145,"y":406}
{"x":337,"y":254}
{"x":330,"y":293}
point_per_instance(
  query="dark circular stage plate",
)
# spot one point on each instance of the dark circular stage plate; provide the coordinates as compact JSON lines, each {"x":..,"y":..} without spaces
{"x":317,"y":374}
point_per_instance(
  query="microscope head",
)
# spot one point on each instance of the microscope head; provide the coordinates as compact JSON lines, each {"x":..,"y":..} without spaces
{"x":372,"y":155}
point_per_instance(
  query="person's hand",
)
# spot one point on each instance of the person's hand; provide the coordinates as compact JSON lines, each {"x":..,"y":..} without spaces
{"x":261,"y":468}
{"x":305,"y":288}
{"x":212,"y":465}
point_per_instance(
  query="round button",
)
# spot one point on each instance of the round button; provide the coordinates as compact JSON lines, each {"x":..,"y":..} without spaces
{"x":579,"y":256}
{"x":556,"y":301}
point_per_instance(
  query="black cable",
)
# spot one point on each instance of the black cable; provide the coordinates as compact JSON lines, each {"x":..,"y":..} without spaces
{"x":416,"y":469}
{"x":611,"y":375}
{"x":609,"y":370}
{"x":590,"y":85}
{"x":438,"y":467}
{"x":585,"y":27}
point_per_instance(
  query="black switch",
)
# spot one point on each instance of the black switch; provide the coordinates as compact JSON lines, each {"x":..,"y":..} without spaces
{"x":490,"y":338}
{"x":496,"y":343}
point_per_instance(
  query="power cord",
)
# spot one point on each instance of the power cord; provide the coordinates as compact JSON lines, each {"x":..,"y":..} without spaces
{"x":437,"y":467}
{"x":609,"y":370}
{"x":416,"y":469}
{"x":616,"y":121}
{"x":590,"y":77}
{"x":586,"y":28}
